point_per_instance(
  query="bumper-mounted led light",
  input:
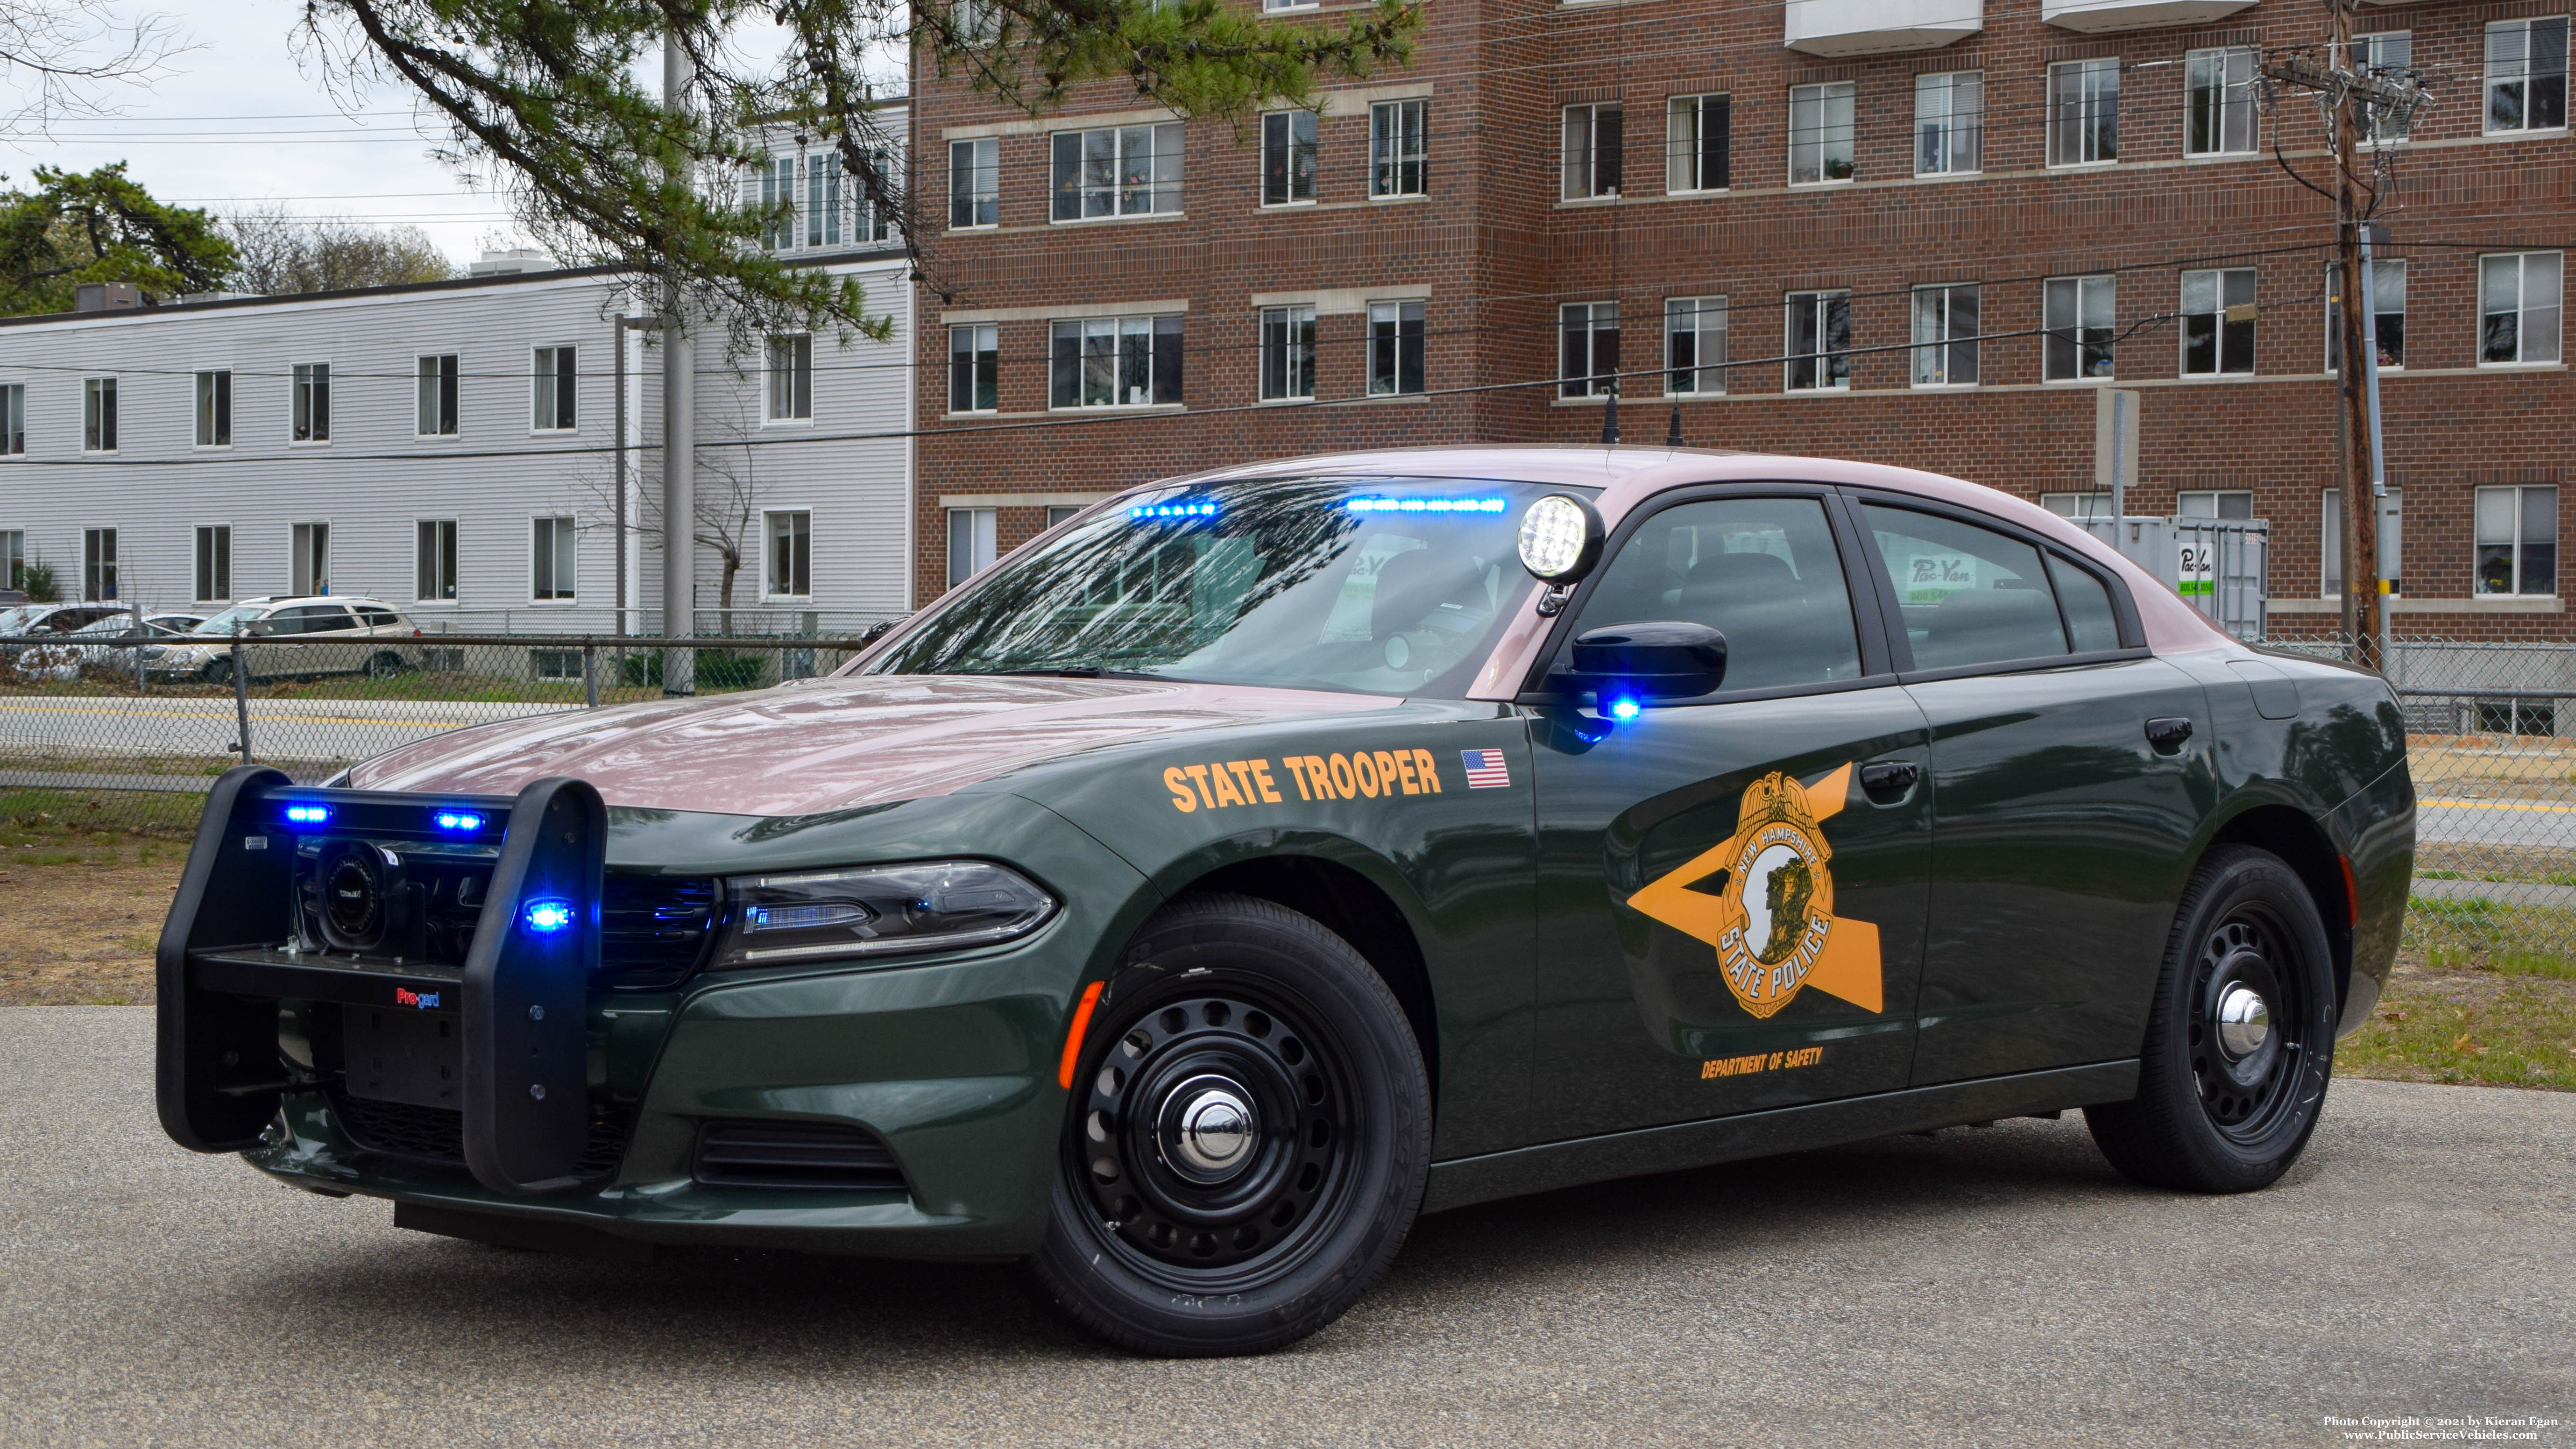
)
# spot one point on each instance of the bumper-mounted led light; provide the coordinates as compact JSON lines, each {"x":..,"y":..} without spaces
{"x":308,"y":814}
{"x":463,"y":822}
{"x":546,"y":918}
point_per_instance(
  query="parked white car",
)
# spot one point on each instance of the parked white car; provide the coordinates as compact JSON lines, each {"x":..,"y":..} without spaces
{"x":334,"y":634}
{"x":109,"y":642}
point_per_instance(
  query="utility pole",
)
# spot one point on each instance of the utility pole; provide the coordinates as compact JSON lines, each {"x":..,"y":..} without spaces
{"x":2346,"y":97}
{"x":679,"y":432}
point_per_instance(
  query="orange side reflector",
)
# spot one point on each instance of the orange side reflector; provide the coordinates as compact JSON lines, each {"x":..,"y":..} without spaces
{"x":1091,"y":998}
{"x":2351,"y":892}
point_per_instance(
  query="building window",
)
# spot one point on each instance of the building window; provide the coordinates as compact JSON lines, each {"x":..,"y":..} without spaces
{"x":2215,"y":503}
{"x":215,"y":410}
{"x":791,"y":379}
{"x":1594,"y":147}
{"x":1395,"y":348}
{"x":1111,"y":362}
{"x":823,"y":200}
{"x":1399,"y":147}
{"x":2077,"y":505}
{"x":311,"y":408}
{"x":13,"y":420}
{"x":778,"y":202}
{"x":1287,"y":158}
{"x":2084,"y":112}
{"x":1695,"y":346}
{"x":2218,"y":102}
{"x":2388,"y":305}
{"x":552,"y":395}
{"x":974,"y":368}
{"x":308,"y":556}
{"x":2077,"y":316}
{"x":1287,"y":353}
{"x":2526,"y":75}
{"x":1062,"y":513}
{"x":1819,"y":350}
{"x":434,"y":400}
{"x":2386,"y":53}
{"x":789,"y":571}
{"x":1949,"y":123}
{"x":13,"y":559}
{"x":1123,"y":171}
{"x":1588,"y":350}
{"x":2517,"y":540}
{"x":1698,"y":138}
{"x":974,"y":183}
{"x":98,"y":565}
{"x":2218,"y":323}
{"x":1945,"y":335}
{"x":1820,"y":133}
{"x":2518,"y":308}
{"x":553,"y":573}
{"x":214,"y":563}
{"x":98,"y":415}
{"x":434,"y":560}
{"x":971,"y":543}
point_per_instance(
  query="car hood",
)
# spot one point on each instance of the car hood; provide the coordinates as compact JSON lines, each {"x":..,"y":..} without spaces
{"x":830,"y":744}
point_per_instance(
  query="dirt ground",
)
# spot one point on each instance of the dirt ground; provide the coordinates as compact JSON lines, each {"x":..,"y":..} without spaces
{"x":82,"y":934}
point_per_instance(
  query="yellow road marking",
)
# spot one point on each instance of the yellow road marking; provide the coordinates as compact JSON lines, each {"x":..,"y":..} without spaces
{"x":2499,"y":805}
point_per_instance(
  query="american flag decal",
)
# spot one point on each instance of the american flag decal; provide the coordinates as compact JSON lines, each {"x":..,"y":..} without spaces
{"x":1485,"y":769}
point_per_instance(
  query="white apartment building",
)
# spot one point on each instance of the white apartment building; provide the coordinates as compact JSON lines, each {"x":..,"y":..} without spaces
{"x":454,"y":448}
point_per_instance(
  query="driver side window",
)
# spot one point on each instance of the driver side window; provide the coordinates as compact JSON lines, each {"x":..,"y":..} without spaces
{"x":1762,"y":571}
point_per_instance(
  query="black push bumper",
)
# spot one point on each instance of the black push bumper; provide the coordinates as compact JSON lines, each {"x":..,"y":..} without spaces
{"x":235,"y":948}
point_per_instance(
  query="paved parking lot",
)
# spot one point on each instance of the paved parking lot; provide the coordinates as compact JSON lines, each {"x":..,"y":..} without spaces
{"x":1980,"y":1287}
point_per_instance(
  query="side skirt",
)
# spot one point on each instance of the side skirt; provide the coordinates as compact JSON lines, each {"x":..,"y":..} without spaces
{"x":1464,"y":1181}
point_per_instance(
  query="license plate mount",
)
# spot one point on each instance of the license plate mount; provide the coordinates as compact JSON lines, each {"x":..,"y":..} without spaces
{"x":395,"y":1054}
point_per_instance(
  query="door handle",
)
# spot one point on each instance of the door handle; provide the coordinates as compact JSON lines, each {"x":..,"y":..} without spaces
{"x":2168,"y":734}
{"x":1883,"y":776}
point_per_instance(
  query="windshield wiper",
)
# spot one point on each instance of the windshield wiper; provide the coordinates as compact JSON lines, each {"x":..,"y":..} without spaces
{"x":1075,"y":671}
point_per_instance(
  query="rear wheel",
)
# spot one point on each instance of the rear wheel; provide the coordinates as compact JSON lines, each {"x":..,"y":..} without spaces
{"x":217,"y":671}
{"x":385,"y":665}
{"x":2240,"y":1042}
{"x":1247,"y":1141}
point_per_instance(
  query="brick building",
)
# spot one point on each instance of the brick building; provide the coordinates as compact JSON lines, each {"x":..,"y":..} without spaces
{"x":1926,"y":232}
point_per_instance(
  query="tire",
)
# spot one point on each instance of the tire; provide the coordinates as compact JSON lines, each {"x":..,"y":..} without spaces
{"x":217,"y":671}
{"x":385,"y":666}
{"x":1187,"y":1244}
{"x":2221,"y":1106}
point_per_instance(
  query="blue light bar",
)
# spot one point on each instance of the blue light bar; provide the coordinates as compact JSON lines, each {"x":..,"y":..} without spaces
{"x":547,"y":917}
{"x":1426,"y":505}
{"x":1173,"y":510}
{"x":1623,"y":708}
{"x":461,"y":820}
{"x":308,"y":814}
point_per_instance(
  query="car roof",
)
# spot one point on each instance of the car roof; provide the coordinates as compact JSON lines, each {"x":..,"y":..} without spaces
{"x":280,"y":601}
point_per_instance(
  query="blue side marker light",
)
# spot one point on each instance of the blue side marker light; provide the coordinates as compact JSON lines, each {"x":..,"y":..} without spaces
{"x":1623,"y":708}
{"x":463,"y":820}
{"x":547,"y":917}
{"x":309,"y":814}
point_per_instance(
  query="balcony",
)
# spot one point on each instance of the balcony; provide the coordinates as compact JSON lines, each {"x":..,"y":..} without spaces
{"x":2101,"y":17}
{"x":1880,"y":27}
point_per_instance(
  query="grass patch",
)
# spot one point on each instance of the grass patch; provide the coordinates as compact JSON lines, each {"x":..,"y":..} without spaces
{"x":2438,"y":875}
{"x":2481,"y":1027}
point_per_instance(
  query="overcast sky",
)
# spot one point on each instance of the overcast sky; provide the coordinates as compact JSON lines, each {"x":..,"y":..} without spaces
{"x":239,"y":121}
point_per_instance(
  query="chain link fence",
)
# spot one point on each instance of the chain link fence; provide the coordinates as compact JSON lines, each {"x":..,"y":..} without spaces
{"x":128,"y":736}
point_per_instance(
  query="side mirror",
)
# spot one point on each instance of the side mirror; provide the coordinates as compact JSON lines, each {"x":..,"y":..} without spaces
{"x":1639,"y":662}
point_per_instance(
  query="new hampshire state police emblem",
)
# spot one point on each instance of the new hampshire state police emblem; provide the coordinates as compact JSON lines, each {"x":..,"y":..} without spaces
{"x":1771,"y":917}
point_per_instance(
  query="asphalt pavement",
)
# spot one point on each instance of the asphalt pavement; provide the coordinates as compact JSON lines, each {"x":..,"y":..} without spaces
{"x":145,"y":726}
{"x":1980,"y":1287}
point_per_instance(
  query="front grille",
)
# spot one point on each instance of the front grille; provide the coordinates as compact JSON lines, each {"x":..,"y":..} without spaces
{"x":437,"y":1134}
{"x":795,"y":1154}
{"x":653,"y":928}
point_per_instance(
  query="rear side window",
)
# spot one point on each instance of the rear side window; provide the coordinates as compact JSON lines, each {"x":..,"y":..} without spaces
{"x":1762,"y":571}
{"x":1970,"y":595}
{"x":2089,"y":619}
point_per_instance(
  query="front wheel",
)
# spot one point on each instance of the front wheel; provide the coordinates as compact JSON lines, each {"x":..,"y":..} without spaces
{"x":385,"y":665}
{"x":1247,"y":1141}
{"x":217,"y":671}
{"x":2240,"y":1040}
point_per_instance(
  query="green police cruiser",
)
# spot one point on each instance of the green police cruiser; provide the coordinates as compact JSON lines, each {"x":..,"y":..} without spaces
{"x":1261,"y":859}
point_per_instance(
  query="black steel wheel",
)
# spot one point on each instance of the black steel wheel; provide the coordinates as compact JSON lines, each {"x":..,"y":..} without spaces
{"x":1247,"y":1138}
{"x":2240,"y":1042}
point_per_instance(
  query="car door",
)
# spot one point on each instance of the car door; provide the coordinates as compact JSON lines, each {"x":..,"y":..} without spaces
{"x":2069,"y":770}
{"x":1731,"y":890}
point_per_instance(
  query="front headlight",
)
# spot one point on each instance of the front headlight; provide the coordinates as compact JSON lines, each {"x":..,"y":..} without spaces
{"x":876,"y":911}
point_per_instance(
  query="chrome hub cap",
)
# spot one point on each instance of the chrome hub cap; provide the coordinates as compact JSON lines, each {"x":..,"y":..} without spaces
{"x":2244,"y":1021}
{"x":1209,"y":1128}
{"x":2249,"y":1035}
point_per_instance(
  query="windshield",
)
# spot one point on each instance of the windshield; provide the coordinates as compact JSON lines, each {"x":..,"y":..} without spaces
{"x":14,"y":619}
{"x":230,"y":621}
{"x":1380,"y":586}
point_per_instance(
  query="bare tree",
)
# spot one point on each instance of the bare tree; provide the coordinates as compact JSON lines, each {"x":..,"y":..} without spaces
{"x":282,"y":253}
{"x":61,"y":57}
{"x":727,"y":499}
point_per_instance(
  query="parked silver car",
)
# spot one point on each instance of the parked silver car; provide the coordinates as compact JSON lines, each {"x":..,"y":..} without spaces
{"x":336,"y":634}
